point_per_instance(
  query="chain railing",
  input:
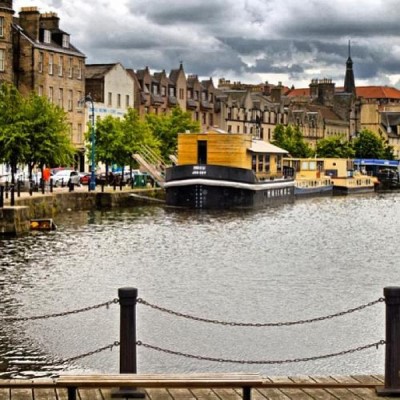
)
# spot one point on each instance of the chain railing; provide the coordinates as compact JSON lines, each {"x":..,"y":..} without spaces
{"x":258,"y":324}
{"x":128,"y":301}
{"x":106,"y":304}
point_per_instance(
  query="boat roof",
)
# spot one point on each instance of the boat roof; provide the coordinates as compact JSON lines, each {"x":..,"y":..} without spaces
{"x":375,"y":161}
{"x":260,"y":146}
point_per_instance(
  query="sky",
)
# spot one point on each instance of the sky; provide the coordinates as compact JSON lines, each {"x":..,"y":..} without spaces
{"x":252,"y":41}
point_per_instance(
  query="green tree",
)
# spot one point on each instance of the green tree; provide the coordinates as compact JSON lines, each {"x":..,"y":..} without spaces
{"x":335,"y":147}
{"x":14,"y":141}
{"x":166,"y":127}
{"x":291,"y":139}
{"x":369,"y":145}
{"x":47,"y":131}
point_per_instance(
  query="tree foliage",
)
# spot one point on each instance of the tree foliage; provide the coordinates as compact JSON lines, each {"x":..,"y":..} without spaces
{"x":335,"y":147}
{"x":166,"y":128}
{"x":369,"y":145}
{"x":32,"y":131}
{"x":291,"y":139}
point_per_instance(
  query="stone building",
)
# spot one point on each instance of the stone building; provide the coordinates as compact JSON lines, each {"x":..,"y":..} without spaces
{"x":36,"y":55}
{"x":111,"y":87}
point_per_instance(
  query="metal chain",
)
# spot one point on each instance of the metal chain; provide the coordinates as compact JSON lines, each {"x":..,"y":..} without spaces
{"x":259,"y":325}
{"x":294,"y":360}
{"x":90,"y":353}
{"x":61,"y":314}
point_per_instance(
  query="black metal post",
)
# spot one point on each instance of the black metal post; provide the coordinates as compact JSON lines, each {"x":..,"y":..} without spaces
{"x":19,"y":188}
{"x":7,"y":188}
{"x":30,"y":188}
{"x":51,"y":185}
{"x":392,"y":355}
{"x":12,"y":193}
{"x":42,"y":185}
{"x":102,"y":187}
{"x":127,"y":356}
{"x":1,"y":196}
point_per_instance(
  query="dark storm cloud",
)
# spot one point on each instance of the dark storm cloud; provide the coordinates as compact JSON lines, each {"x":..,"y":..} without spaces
{"x":238,"y":39}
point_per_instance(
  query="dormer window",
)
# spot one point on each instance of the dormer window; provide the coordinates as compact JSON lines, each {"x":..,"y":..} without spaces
{"x":47,"y":36}
{"x":65,"y":41}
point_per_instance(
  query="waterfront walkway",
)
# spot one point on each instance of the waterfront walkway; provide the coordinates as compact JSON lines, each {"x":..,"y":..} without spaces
{"x":298,"y":389}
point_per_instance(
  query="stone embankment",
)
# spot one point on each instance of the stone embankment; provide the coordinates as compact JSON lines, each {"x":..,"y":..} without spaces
{"x":15,"y":220}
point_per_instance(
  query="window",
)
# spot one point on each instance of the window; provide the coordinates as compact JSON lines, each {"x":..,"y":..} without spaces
{"x":109,"y":98}
{"x":181,"y":94}
{"x":80,"y":65}
{"x":155,"y":89}
{"x":47,"y":36}
{"x":163,"y":90}
{"x":267,"y":163}
{"x":204,"y":118}
{"x":127,"y":100}
{"x":2,"y":56}
{"x":51,"y":94}
{"x":65,"y":41}
{"x":70,"y":69}
{"x":40,"y":90}
{"x":70,"y":99}
{"x":40,"y":63}
{"x":51,"y":63}
{"x":61,"y":97}
{"x":1,"y":26}
{"x":118,"y":100}
{"x":60,"y":66}
{"x":80,"y":133}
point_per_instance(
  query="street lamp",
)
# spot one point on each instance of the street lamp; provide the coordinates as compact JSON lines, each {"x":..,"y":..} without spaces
{"x":92,"y":184}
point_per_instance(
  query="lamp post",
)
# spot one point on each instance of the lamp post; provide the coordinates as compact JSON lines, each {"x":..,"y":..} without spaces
{"x":92,"y":184}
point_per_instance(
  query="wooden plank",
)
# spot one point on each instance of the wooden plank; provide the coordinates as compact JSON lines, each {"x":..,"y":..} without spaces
{"x":342,"y":394}
{"x":158,"y":394}
{"x":317,"y":394}
{"x":367,"y":379}
{"x":227,"y":394}
{"x":62,"y":394}
{"x":90,"y":394}
{"x":48,"y":394}
{"x":364,"y":393}
{"x":22,"y":394}
{"x":181,"y":394}
{"x":270,"y":394}
{"x":297,"y":394}
{"x":4,"y":394}
{"x":204,"y":394}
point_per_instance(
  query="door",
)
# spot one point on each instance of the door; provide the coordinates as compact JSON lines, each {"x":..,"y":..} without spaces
{"x":202,"y":152}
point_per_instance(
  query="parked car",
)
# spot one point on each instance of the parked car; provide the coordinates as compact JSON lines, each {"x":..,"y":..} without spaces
{"x":85,"y":178}
{"x":66,"y":176}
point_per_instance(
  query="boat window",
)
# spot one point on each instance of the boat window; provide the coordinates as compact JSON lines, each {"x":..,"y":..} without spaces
{"x":267,"y":163}
{"x":254,"y":163}
{"x":260,"y":163}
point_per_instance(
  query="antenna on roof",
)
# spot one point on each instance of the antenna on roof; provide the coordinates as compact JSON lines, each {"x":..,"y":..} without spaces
{"x":349,"y":49}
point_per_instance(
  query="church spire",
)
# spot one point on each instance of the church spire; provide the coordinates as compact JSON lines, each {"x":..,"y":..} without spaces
{"x":349,"y":85}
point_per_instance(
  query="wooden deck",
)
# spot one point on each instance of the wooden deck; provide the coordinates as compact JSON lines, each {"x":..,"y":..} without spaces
{"x":280,"y":391}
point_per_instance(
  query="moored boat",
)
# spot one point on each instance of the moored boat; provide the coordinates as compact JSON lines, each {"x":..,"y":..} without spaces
{"x":310,"y":177}
{"x":218,"y":170}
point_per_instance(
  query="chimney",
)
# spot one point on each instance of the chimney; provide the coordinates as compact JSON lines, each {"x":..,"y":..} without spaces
{"x":49,"y":21}
{"x":29,"y":21}
{"x":326,"y":92}
{"x":276,"y":93}
{"x":6,"y":4}
{"x":314,"y":88}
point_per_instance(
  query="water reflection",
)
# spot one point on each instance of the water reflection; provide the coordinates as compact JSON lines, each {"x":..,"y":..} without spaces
{"x":302,"y":260}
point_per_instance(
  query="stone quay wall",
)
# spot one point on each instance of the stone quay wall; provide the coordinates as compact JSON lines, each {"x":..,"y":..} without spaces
{"x":16,"y":220}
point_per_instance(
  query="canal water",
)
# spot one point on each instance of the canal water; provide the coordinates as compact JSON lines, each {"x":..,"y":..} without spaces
{"x":309,"y":259}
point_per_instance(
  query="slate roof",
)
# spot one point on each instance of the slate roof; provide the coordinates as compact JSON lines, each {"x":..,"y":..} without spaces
{"x":97,"y":71}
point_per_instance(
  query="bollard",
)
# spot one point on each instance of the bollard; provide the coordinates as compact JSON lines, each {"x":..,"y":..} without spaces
{"x":1,"y":196}
{"x":102,"y":187}
{"x":392,"y":354}
{"x":42,"y":185}
{"x":30,"y":188}
{"x":115,"y":185}
{"x":127,"y":352}
{"x":7,"y":189}
{"x":18,"y":188}
{"x":120,"y":185}
{"x":51,"y":185}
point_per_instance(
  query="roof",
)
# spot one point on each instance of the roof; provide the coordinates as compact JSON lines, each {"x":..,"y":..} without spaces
{"x":368,"y":92}
{"x":260,"y":146}
{"x":97,"y":71}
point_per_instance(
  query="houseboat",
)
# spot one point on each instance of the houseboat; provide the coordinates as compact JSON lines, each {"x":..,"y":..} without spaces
{"x":310,"y":177}
{"x":221,"y":170}
{"x":386,"y":171}
{"x":347,"y":179}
